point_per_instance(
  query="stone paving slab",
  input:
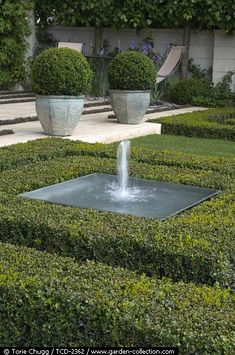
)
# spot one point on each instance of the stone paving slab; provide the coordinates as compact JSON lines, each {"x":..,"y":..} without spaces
{"x":27,"y":109}
{"x":91,"y":128}
{"x":23,"y":109}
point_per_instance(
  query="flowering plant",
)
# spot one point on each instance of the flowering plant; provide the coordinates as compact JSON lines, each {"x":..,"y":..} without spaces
{"x":147,"y":48}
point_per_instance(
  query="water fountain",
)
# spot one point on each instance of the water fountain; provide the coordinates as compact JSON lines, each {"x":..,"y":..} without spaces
{"x":122,"y":194}
{"x":120,"y":189}
{"x":123,"y":153}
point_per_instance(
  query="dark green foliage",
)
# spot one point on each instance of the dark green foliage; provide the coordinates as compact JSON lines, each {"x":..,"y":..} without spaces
{"x":219,"y":95}
{"x":223,"y":117}
{"x":208,"y":101}
{"x":47,"y":300}
{"x":18,"y":120}
{"x":93,"y":13}
{"x":100,"y":85}
{"x":14,"y":29}
{"x":4,"y":132}
{"x":61,"y":71}
{"x":198,"y":73}
{"x":197,"y":245}
{"x":138,"y":13}
{"x":205,"y":124}
{"x":210,"y":15}
{"x":185,"y":90}
{"x":131,"y":70}
{"x":222,"y":90}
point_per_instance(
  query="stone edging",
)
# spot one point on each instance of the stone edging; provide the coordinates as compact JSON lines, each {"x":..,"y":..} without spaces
{"x":4,"y":132}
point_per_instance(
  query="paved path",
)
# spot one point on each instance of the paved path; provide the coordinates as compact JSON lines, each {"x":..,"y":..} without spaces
{"x":91,"y":128}
{"x":27,"y":109}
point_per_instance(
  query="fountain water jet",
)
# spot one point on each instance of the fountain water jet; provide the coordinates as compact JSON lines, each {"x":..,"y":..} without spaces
{"x":123,"y":153}
{"x":119,"y":193}
{"x":120,"y":189}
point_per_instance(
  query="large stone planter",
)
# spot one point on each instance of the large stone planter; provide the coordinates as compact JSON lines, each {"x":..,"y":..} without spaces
{"x":130,"y":106}
{"x":59,"y":115}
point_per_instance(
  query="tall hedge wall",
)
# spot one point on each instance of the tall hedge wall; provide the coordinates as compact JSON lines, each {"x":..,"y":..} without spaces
{"x":197,"y":245}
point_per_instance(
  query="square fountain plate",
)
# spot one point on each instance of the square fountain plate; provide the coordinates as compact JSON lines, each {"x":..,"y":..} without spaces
{"x":161,"y":199}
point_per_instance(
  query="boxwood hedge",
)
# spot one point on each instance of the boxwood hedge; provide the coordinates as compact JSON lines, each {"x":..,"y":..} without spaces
{"x":47,"y":300}
{"x":197,"y":245}
{"x":213,"y":123}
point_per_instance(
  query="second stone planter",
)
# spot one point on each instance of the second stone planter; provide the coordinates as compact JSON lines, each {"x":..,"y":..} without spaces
{"x":130,"y":106}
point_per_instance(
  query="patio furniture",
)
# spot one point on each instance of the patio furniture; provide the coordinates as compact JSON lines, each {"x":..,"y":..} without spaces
{"x":72,"y":45}
{"x":171,"y":63}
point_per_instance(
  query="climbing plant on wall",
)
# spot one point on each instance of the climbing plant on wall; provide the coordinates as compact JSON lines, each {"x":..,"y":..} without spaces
{"x":207,"y":14}
{"x":14,"y":29}
{"x":184,"y":14}
{"x":192,"y":14}
{"x":102,"y":13}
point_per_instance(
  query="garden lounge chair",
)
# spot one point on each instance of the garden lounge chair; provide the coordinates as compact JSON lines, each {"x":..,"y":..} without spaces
{"x":76,"y":46}
{"x":171,"y":63}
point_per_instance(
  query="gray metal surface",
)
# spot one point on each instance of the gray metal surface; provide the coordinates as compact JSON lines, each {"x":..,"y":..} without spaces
{"x":158,"y":199}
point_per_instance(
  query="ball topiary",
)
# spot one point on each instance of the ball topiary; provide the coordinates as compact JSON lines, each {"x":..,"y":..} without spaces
{"x":185,"y":90}
{"x":61,"y":71}
{"x":131,"y":71}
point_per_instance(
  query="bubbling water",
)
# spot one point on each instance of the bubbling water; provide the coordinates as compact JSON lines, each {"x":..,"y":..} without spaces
{"x":121,"y":191}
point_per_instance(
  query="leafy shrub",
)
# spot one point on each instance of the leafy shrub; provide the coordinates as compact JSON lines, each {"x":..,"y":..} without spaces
{"x":203,"y":124}
{"x":14,"y":30}
{"x":208,"y":101}
{"x":155,"y":94}
{"x":167,"y":85}
{"x":4,"y":132}
{"x":131,"y":70}
{"x":56,"y":302}
{"x":100,"y":85}
{"x":61,"y":71}
{"x":183,"y":247}
{"x":219,"y":95}
{"x":223,"y":117}
{"x":198,"y":73}
{"x":222,"y":90}
{"x":185,"y":90}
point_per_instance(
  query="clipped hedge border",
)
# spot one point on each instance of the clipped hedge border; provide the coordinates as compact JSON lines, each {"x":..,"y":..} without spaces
{"x":18,"y":120}
{"x":196,"y":245}
{"x":203,"y":124}
{"x":48,"y":149}
{"x":47,"y":300}
{"x":5,"y":132}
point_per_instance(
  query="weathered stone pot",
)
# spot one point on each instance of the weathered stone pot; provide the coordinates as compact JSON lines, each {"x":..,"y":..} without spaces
{"x":59,"y":115}
{"x":130,"y":106}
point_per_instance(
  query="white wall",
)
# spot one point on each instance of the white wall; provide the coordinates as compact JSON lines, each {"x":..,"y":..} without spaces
{"x":207,"y":48}
{"x":224,"y":56}
{"x":201,"y":44}
{"x":201,"y":48}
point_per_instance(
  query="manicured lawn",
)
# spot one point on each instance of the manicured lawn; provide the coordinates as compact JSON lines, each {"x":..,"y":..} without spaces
{"x":199,"y":146}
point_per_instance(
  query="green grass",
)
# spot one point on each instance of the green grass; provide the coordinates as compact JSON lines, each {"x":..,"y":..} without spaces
{"x":199,"y":146}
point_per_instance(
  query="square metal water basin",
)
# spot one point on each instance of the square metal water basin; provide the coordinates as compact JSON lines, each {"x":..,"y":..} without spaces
{"x":156,"y":199}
